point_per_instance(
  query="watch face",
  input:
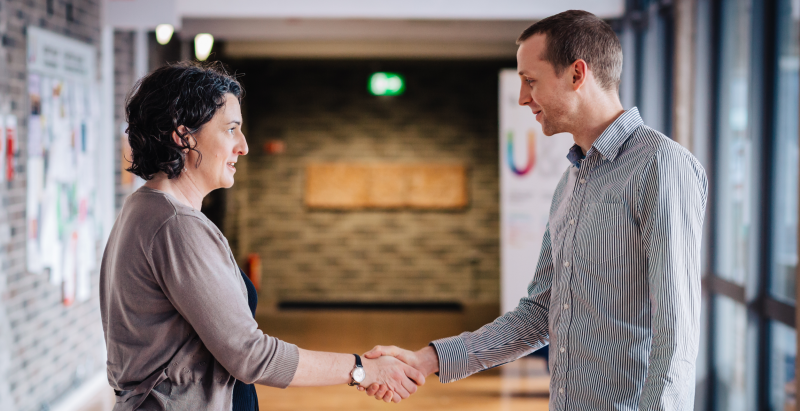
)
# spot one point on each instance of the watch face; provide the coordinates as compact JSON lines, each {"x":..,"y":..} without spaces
{"x":359,"y":374}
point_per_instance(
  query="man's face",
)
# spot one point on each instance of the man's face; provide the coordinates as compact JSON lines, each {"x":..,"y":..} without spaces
{"x":550,"y":97}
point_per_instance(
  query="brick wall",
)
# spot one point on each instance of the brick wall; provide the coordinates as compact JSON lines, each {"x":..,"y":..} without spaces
{"x":124,"y":78}
{"x":322,"y":110}
{"x":45,"y":347}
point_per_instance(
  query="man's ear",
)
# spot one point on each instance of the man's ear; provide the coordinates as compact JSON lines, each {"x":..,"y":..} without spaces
{"x":579,"y":71}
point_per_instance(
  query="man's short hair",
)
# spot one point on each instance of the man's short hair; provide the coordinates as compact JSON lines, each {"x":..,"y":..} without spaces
{"x":578,"y":34}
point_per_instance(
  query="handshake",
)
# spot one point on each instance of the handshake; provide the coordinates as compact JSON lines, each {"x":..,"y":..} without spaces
{"x":393,"y":373}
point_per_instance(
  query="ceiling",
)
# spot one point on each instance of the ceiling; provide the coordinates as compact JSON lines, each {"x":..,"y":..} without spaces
{"x":352,"y":28}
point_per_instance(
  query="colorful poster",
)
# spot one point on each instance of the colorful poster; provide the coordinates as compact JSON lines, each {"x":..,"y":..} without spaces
{"x":2,"y":145}
{"x":62,"y":200}
{"x":531,"y":165}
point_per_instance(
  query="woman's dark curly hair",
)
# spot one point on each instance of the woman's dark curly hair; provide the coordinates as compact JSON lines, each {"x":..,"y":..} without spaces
{"x":180,"y":94}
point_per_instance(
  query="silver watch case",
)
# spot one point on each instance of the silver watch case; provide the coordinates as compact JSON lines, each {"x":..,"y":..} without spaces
{"x":358,"y":375}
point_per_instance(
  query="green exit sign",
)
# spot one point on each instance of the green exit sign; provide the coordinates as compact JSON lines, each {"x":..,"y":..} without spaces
{"x":386,"y":84}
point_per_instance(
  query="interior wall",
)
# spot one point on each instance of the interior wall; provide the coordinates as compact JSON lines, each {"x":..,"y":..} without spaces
{"x":46,"y":348}
{"x":322,"y":111}
{"x":124,"y":79}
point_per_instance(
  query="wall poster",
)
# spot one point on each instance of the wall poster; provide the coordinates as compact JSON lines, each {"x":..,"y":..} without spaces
{"x":64,"y":216}
{"x":531,"y":164}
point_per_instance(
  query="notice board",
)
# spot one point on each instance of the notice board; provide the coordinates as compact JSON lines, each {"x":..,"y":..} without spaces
{"x":64,"y":209}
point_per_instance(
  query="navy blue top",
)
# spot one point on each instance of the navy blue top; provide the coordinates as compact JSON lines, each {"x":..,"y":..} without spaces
{"x":244,"y":395}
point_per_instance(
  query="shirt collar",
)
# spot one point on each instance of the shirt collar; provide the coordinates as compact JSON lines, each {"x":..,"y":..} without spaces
{"x":611,"y":140}
{"x":575,"y":155}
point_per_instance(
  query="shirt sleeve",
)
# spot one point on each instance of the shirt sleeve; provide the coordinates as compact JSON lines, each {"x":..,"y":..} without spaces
{"x":513,"y":335}
{"x":194,"y":268}
{"x":671,"y":206}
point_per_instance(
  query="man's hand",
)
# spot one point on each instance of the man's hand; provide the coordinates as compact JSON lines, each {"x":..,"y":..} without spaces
{"x":425,"y":361}
{"x":400,"y":380}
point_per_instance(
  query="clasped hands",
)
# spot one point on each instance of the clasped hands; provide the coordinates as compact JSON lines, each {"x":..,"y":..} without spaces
{"x":395,"y":379}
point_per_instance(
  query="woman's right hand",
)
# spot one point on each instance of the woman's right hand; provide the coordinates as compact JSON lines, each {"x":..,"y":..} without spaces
{"x":399,"y":378}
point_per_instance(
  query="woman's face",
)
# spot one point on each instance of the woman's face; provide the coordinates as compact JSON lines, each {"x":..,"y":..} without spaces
{"x":221,"y":142}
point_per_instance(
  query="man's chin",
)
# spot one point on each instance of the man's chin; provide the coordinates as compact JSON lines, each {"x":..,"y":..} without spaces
{"x":548,"y":131}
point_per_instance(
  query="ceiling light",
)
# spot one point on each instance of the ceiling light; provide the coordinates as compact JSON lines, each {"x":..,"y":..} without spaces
{"x":202,"y":46}
{"x":164,"y":33}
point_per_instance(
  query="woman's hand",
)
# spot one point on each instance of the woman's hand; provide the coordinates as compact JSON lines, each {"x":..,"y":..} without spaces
{"x":396,"y":379}
{"x":424,"y":360}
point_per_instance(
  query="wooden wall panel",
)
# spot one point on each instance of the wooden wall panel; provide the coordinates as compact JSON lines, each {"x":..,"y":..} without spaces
{"x":336,"y":185}
{"x":388,"y":186}
{"x":357,"y":186}
{"x":437,"y":187}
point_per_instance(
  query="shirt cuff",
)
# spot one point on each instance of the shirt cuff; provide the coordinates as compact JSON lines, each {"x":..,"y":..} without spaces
{"x":453,"y":359}
{"x":280,"y":371}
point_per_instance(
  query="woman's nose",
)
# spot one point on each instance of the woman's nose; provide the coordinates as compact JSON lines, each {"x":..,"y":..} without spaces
{"x":243,"y":149}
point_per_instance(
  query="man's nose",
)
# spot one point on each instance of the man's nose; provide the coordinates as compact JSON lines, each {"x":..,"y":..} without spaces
{"x":524,"y":96}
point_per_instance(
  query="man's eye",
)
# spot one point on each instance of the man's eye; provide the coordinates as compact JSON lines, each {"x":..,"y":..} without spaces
{"x":529,"y":81}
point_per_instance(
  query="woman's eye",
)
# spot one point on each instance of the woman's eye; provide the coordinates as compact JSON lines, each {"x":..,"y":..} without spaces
{"x":530,"y":81}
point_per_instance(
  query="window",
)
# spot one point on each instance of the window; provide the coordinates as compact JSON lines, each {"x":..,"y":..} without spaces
{"x":734,"y":153}
{"x":786,"y":171}
{"x":784,"y":209}
{"x":783,"y":350}
{"x":754,"y":183}
{"x":730,"y":355}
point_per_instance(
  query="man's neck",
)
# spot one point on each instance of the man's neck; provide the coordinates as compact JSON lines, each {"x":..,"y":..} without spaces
{"x":595,"y":119}
{"x":183,"y":188}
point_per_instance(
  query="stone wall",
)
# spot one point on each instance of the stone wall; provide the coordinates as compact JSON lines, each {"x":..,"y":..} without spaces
{"x":323,"y":113}
{"x":46,"y":348}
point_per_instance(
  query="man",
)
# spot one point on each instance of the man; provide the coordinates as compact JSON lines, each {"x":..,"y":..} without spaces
{"x":616,"y":292}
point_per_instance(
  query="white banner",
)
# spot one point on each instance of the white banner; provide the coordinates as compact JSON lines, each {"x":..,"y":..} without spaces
{"x":531,"y":165}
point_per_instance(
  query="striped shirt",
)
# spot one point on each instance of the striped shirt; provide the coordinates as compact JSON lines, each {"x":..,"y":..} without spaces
{"x":616,"y":292}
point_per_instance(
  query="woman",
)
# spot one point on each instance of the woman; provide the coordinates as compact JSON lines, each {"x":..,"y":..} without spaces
{"x":174,"y":306}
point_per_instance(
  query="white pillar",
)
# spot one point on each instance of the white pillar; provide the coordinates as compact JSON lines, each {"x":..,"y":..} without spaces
{"x":140,"y":60}
{"x":105,"y":144}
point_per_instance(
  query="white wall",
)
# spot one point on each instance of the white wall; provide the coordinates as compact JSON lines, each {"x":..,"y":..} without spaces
{"x":405,"y":9}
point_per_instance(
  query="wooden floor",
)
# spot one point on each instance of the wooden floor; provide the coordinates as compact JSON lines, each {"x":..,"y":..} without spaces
{"x":522,"y":385}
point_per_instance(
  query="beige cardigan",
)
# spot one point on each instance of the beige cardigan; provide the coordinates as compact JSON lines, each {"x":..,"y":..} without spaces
{"x":175,"y":316}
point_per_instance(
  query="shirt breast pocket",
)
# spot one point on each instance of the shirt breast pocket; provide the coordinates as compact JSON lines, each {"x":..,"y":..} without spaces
{"x":601,"y":235}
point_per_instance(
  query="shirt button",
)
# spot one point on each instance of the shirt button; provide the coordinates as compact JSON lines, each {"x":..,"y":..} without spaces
{"x":560,"y":390}
{"x":566,"y":263}
{"x":572,"y":222}
{"x":583,"y":181}
{"x":566,"y":306}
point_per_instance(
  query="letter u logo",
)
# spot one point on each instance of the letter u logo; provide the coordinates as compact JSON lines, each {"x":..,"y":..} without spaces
{"x":531,"y":154}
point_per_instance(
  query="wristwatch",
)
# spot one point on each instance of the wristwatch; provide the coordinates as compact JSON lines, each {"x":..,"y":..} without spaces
{"x":358,"y":374}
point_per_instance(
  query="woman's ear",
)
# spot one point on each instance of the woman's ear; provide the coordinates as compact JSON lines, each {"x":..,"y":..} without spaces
{"x":186,"y":134}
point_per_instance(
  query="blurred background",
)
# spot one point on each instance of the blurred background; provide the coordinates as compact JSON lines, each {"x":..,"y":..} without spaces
{"x":394,"y":193}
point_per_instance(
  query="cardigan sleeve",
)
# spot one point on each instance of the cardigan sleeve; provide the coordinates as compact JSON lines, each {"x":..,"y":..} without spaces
{"x":195,"y":269}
